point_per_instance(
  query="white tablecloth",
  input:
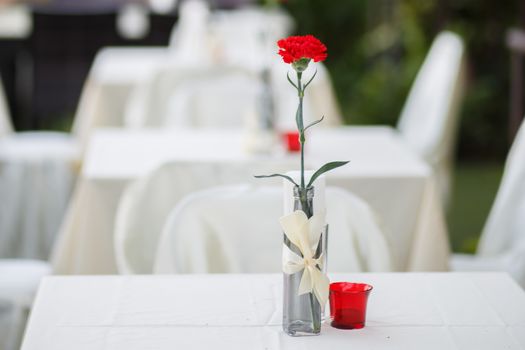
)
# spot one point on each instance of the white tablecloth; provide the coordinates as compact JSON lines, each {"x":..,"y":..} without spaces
{"x":405,"y":311}
{"x":113,"y":76}
{"x":383,"y":171}
{"x":37,"y":175}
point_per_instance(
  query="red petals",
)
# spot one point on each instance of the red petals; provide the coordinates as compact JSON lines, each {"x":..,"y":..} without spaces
{"x":295,"y":48}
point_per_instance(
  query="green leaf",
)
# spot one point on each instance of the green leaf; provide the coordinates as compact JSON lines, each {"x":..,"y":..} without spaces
{"x":324,"y":169}
{"x":313,"y":123}
{"x":291,"y":82}
{"x":299,"y":117}
{"x":277,"y":175}
{"x":309,"y":81}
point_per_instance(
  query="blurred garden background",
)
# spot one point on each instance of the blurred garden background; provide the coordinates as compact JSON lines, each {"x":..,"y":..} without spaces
{"x":375,"y":50}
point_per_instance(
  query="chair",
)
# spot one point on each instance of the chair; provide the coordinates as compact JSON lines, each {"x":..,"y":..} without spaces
{"x":19,"y":280}
{"x":248,"y":35}
{"x":37,"y":172}
{"x":430,"y":116}
{"x":189,"y":96}
{"x":227,"y":43}
{"x":239,"y":36}
{"x":146,"y":203}
{"x":189,"y":37}
{"x":502,"y":243}
{"x":235,"y":229}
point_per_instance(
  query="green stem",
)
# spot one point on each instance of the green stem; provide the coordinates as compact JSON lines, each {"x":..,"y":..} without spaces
{"x":302,"y":140}
{"x":300,"y":125}
{"x":316,"y":322}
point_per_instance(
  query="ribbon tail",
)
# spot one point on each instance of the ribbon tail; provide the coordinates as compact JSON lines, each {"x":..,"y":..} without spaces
{"x":321,"y":286}
{"x":306,"y":284}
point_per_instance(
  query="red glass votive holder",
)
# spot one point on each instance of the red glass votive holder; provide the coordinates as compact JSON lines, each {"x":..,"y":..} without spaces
{"x":348,"y":304}
{"x":291,"y":139}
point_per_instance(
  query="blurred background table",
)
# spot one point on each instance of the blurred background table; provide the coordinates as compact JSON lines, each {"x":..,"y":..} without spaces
{"x":383,"y":171}
{"x":112,"y":78}
{"x":405,"y":311}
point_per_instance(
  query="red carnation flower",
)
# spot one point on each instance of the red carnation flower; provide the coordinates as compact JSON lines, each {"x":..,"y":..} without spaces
{"x":301,"y":48}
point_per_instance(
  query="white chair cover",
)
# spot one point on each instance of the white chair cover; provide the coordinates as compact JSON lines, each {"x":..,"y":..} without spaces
{"x":235,"y":229}
{"x":37,"y":173}
{"x":429,"y":119}
{"x":241,"y":36}
{"x":189,"y":39}
{"x":502,"y":243}
{"x":204,"y":97}
{"x":247,"y":38}
{"x":248,"y":35}
{"x":146,"y":203}
{"x":19,"y":280}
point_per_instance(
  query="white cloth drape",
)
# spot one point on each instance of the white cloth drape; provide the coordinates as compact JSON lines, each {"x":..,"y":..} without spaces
{"x":506,"y":222}
{"x":189,"y":40}
{"x":242,"y":36}
{"x":19,"y":280}
{"x":430,"y":116}
{"x":225,"y":95}
{"x":37,"y":173}
{"x":396,"y":183}
{"x":502,"y":243}
{"x":199,"y":38}
{"x":236,"y":229}
{"x":190,"y":96}
{"x":123,"y":80}
{"x":146,"y":204}
{"x":113,"y":76}
{"x":431,"y":311}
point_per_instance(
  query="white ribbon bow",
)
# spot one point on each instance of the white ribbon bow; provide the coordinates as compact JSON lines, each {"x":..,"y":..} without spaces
{"x":305,"y":234}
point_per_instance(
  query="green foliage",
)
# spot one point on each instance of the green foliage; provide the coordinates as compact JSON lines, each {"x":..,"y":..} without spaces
{"x":376,"y":47}
{"x":475,"y":187}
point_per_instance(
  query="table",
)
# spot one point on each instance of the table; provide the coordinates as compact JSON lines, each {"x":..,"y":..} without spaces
{"x":113,"y":76}
{"x":405,"y":311}
{"x":383,"y":171}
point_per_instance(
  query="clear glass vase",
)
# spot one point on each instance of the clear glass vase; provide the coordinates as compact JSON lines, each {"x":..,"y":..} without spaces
{"x":302,"y":314}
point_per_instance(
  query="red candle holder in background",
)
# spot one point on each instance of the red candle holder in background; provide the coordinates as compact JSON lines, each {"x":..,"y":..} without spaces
{"x":291,"y":138}
{"x":348,"y":304}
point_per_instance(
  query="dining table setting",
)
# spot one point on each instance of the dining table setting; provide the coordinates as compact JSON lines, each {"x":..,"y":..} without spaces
{"x":380,"y":163}
{"x":405,"y":311}
{"x":213,"y":195}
